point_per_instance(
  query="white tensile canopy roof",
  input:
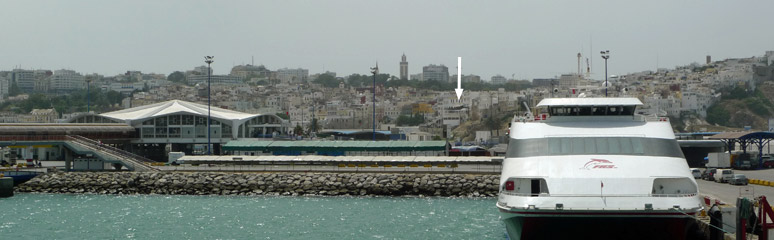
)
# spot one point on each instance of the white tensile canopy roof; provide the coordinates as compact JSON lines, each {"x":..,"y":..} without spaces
{"x":176,"y":107}
{"x":550,"y":102}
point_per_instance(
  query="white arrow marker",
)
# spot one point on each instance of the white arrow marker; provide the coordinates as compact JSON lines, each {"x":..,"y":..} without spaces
{"x":459,"y":78}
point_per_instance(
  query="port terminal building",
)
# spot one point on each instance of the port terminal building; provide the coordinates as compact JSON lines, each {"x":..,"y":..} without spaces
{"x":180,"y":126}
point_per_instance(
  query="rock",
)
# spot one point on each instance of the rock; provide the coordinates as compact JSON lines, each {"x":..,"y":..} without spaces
{"x":294,"y":184}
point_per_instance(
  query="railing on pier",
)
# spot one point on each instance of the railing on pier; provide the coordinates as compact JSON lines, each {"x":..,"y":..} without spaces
{"x":137,"y":162}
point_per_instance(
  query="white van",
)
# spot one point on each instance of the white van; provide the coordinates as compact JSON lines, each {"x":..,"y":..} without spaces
{"x":723,"y":175}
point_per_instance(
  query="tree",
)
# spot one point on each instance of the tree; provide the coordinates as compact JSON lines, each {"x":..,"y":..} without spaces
{"x":326,"y":80}
{"x":114,"y":97}
{"x":357,"y":80}
{"x":177,"y":77}
{"x":314,"y":126}
{"x":298,"y":130}
{"x":492,"y":122}
{"x":386,"y":119}
{"x":716,"y":114}
{"x":407,"y":120}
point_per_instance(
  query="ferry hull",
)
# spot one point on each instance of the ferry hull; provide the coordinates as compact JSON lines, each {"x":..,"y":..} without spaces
{"x":589,"y":225}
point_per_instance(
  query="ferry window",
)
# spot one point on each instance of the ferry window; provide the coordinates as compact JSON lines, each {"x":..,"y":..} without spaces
{"x":560,"y":111}
{"x":613,"y":111}
{"x":577,"y":145}
{"x":555,"y":145}
{"x":637,"y":146}
{"x":601,"y":145}
{"x":558,"y":146}
{"x":628,"y":110}
{"x":591,"y":147}
{"x":626,"y":145}
{"x":598,"y":111}
{"x":574,"y":111}
{"x":566,"y":145}
{"x":585,"y":111}
{"x":613,"y":146}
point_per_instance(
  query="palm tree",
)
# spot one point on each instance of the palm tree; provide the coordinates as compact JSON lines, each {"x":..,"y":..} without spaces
{"x":298,"y":130}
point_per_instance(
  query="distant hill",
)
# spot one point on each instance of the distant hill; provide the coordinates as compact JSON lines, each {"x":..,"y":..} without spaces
{"x":739,"y":107}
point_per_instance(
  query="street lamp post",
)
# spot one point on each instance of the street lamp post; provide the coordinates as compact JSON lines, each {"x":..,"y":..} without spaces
{"x":374,"y":70}
{"x":605,"y":55}
{"x":208,"y":60}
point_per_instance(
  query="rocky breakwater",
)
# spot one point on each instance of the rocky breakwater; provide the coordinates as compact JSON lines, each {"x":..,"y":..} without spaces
{"x":206,"y":183}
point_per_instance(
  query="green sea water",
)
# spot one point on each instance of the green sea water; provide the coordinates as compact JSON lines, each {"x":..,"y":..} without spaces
{"x":62,"y":216}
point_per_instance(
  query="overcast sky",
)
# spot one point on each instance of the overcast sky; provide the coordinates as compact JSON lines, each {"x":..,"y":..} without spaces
{"x":528,"y":39}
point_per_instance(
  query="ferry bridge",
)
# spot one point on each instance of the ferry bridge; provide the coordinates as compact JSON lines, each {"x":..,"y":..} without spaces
{"x":71,"y":141}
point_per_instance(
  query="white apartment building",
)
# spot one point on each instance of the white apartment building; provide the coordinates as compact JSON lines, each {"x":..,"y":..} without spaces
{"x":297,"y":75}
{"x":498,"y":79}
{"x":417,"y":77}
{"x":471,"y":78}
{"x":125,"y":88}
{"x":655,"y":104}
{"x":696,"y":102}
{"x":435,"y":72}
{"x":65,"y":81}
{"x":25,"y":79}
{"x":202,"y":70}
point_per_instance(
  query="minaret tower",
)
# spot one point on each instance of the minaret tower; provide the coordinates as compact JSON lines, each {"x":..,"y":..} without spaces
{"x":403,"y":67}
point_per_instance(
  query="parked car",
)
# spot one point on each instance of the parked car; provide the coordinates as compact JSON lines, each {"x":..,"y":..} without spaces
{"x":696,"y":172}
{"x":738,"y":179}
{"x":709,"y":174}
{"x":768,"y":161}
{"x":723,"y":175}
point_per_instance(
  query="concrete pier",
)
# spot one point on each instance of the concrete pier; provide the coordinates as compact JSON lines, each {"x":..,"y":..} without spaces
{"x":6,"y":187}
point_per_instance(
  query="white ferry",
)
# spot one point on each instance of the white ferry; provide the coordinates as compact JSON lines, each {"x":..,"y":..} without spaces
{"x":590,"y":168}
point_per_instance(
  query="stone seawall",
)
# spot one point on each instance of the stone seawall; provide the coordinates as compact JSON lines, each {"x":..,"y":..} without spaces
{"x":212,"y":183}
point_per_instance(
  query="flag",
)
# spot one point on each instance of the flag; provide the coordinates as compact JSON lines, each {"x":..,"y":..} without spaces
{"x":601,"y":184}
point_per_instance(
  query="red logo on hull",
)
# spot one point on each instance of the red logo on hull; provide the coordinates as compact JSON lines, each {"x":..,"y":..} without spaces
{"x":599,"y":164}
